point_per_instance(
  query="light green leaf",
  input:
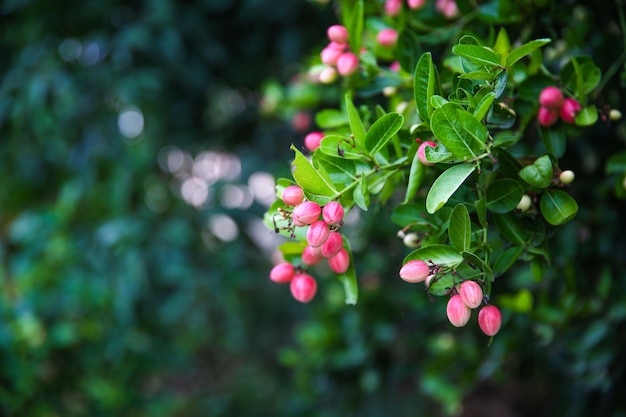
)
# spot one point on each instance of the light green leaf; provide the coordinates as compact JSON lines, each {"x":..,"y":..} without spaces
{"x":425,"y":85}
{"x":477,"y":54}
{"x":355,"y":24}
{"x":526,"y":49}
{"x":330,"y":119}
{"x":587,"y":116}
{"x":416,"y":176}
{"x":356,"y":124}
{"x":477,"y":75}
{"x":446,"y":184}
{"x":348,"y":278}
{"x":558,"y":207}
{"x":362,"y":194}
{"x":503,"y":195}
{"x":437,"y":154}
{"x":459,"y":131}
{"x":460,"y":228}
{"x":309,"y":178}
{"x":382,"y":131}
{"x":484,"y":105}
{"x":502,"y":45}
{"x":539,"y":174}
{"x":442,"y":255}
{"x":476,"y":263}
{"x":339,"y":146}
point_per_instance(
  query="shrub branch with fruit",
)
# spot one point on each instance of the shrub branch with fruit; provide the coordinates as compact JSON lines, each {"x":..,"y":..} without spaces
{"x":429,"y":118}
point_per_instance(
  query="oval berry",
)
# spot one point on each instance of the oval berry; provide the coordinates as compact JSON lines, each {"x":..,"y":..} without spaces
{"x":471,"y":293}
{"x":312,"y":141}
{"x":414,"y":271}
{"x":333,"y":244}
{"x":547,"y":117}
{"x":347,"y":64}
{"x":340,"y":262}
{"x":490,"y":320}
{"x":311,"y":256}
{"x":317,"y":234}
{"x":551,"y":97}
{"x":305,"y":213}
{"x":293,"y":195}
{"x":282,"y":273}
{"x":387,"y":37}
{"x":303,"y":287}
{"x":332,"y":213}
{"x":458,"y":313}
{"x":569,"y":110}
{"x":337,"y":33}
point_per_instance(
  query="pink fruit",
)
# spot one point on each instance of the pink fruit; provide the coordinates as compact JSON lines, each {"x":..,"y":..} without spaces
{"x":347,"y":64}
{"x":551,"y":97}
{"x":333,"y":245}
{"x":312,"y":141}
{"x":448,"y":8}
{"x":394,"y":66}
{"x":340,"y":262}
{"x":312,"y":256}
{"x":421,"y":152}
{"x":547,"y":117}
{"x":305,"y":213}
{"x":337,"y":33}
{"x":332,"y":213}
{"x":317,"y":234}
{"x":303,"y":287}
{"x":414,"y":271}
{"x":282,"y":273}
{"x":387,"y":37}
{"x":471,"y":293}
{"x":416,"y":4}
{"x":490,"y":320}
{"x":458,"y":313}
{"x":293,"y":195}
{"x":330,"y":55}
{"x":392,"y":7}
{"x":569,"y":110}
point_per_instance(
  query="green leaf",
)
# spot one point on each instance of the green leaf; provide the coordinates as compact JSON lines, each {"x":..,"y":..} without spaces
{"x":330,"y":118}
{"x":539,"y":174}
{"x":348,"y":278}
{"x":411,"y":214}
{"x":554,"y":139}
{"x":502,"y":45}
{"x":500,"y":82}
{"x":309,"y":178}
{"x":355,"y":24}
{"x":446,"y":184}
{"x":460,"y":228}
{"x":356,"y":124}
{"x":526,"y":49}
{"x":477,"y":75}
{"x":558,"y":207}
{"x":581,"y":75}
{"x":503,"y":195}
{"x":507,"y":259}
{"x":339,"y":146}
{"x":476,"y":263}
{"x":442,"y":284}
{"x":477,"y":54}
{"x":616,"y":164}
{"x":425,"y":85}
{"x":484,"y":105}
{"x":437,"y":154}
{"x":511,"y":228}
{"x":339,"y":170}
{"x":587,"y":116}
{"x":442,"y":255}
{"x":407,"y":49}
{"x":382,"y":131}
{"x":416,"y":176}
{"x":459,"y":131}
{"x":362,"y":194}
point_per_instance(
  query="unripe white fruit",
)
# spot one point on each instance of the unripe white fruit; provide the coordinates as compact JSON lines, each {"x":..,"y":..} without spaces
{"x":525,"y":203}
{"x":567,"y":177}
{"x":411,"y":240}
{"x":615,"y":115}
{"x":328,"y":75}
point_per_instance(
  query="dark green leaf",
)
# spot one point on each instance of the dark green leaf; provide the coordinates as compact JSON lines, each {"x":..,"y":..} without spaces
{"x":511,"y":228}
{"x":460,"y":228}
{"x":424,"y":85}
{"x":503,"y":195}
{"x":348,"y":278}
{"x":539,"y":174}
{"x":558,"y":207}
{"x":554,"y":140}
{"x":521,"y":51}
{"x":507,"y":259}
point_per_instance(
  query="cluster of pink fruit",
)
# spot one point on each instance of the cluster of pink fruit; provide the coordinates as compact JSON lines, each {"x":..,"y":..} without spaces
{"x":553,"y":105}
{"x":337,"y":54}
{"x":464,"y":298}
{"x":324,"y":241}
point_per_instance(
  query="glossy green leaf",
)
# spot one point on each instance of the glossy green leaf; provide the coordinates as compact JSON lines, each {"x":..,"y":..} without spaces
{"x":500,"y":83}
{"x":442,"y":255}
{"x":507,"y":259}
{"x":557,"y":207}
{"x":554,"y":139}
{"x":355,"y":122}
{"x":511,"y":228}
{"x":437,"y":154}
{"x":460,"y":228}
{"x":408,"y":47}
{"x":309,"y":178}
{"x":587,"y":116}
{"x":503,"y":195}
{"x":478,"y":75}
{"x":425,"y":85}
{"x":355,"y":24}
{"x":330,"y":119}
{"x":410,"y":214}
{"x":477,"y":54}
{"x":442,"y":284}
{"x":362,"y":194}
{"x":339,"y":146}
{"x":539,"y":174}
{"x":446,"y":184}
{"x":459,"y":131}
{"x":484,"y":105}
{"x":416,"y":176}
{"x":348,"y":279}
{"x":502,"y":45}
{"x":526,"y":49}
{"x":475,"y":263}
{"x":382,"y":131}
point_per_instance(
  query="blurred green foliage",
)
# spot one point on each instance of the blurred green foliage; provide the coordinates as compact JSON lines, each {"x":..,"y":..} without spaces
{"x":119,"y":299}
